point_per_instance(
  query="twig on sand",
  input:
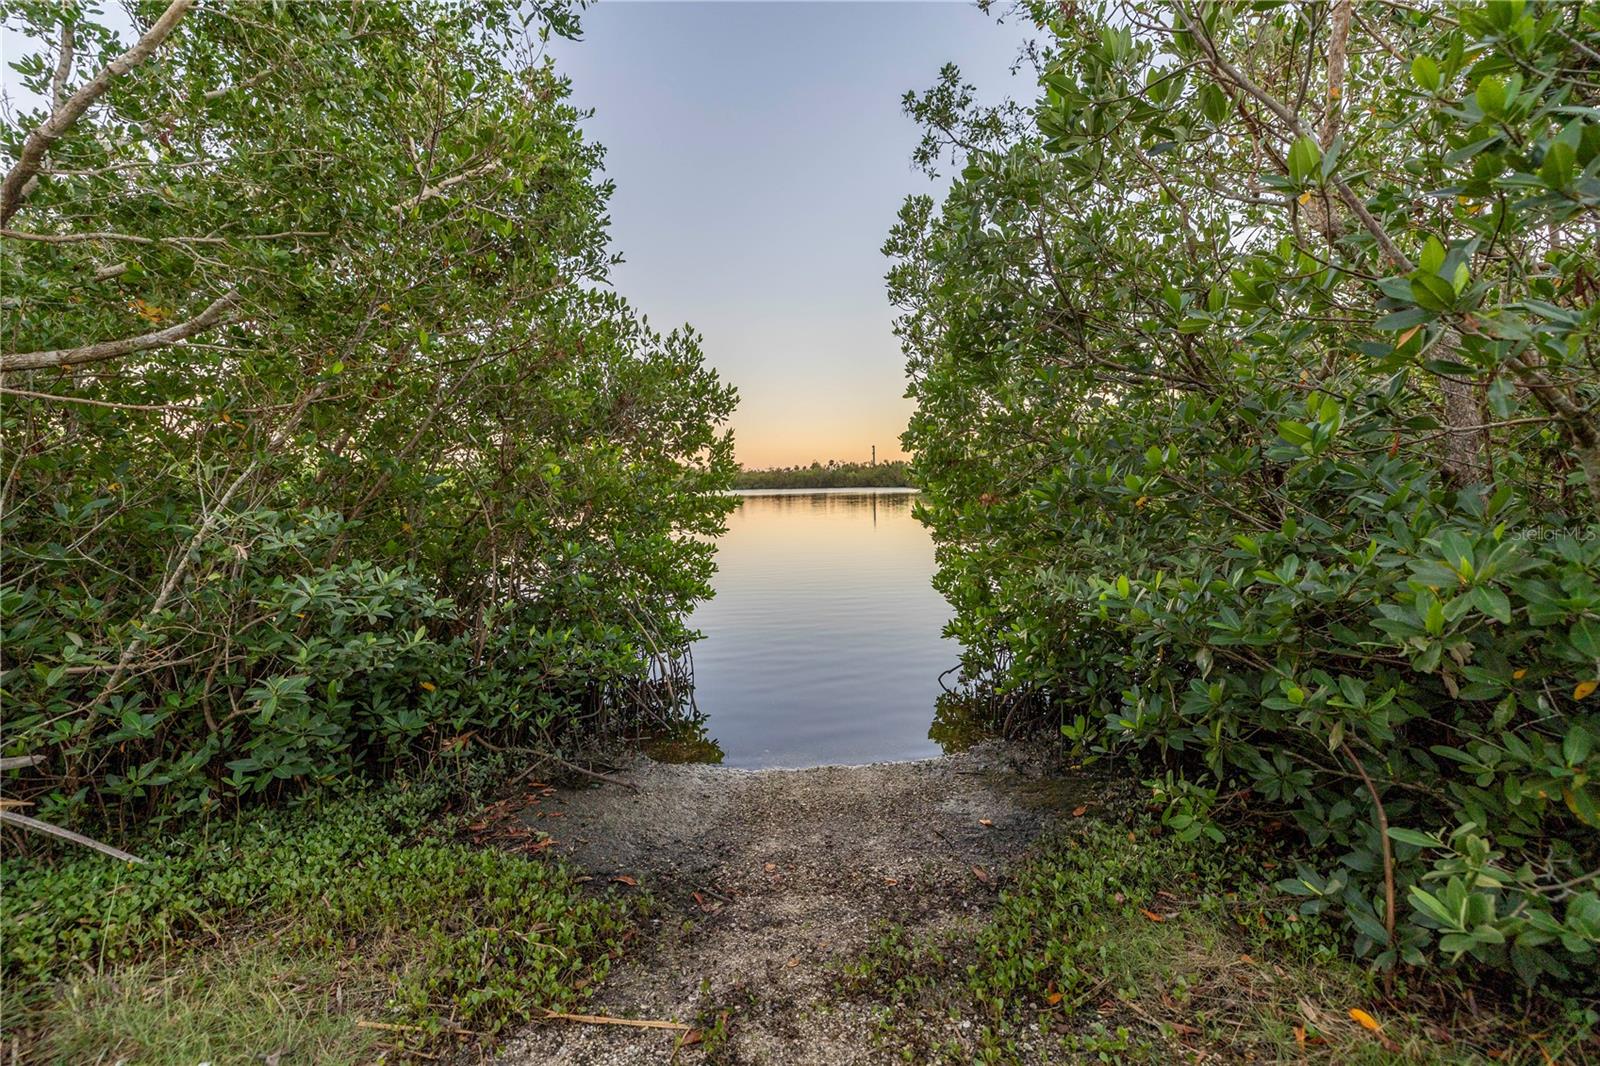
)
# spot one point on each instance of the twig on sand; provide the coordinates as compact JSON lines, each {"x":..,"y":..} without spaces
{"x":396,"y":1027}
{"x":602,"y":1019}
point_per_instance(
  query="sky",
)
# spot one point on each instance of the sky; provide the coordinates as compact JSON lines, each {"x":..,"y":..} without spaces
{"x":760,"y":154}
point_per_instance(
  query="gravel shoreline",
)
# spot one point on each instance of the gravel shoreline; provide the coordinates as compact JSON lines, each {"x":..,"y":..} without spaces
{"x":767,"y":880}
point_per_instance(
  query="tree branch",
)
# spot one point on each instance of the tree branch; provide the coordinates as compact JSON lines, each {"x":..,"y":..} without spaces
{"x":58,"y":84}
{"x":1290,"y":119}
{"x":63,"y":117}
{"x":445,"y":186}
{"x":1338,"y":44}
{"x":99,"y":353}
{"x":80,"y":238}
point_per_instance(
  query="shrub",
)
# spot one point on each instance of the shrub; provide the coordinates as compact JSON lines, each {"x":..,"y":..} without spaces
{"x":408,"y":478}
{"x":1254,"y":370}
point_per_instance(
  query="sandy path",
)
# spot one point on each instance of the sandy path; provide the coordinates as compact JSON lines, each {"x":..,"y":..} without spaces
{"x":795,"y":871}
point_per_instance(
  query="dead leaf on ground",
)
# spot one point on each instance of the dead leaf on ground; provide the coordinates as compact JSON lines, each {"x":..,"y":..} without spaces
{"x":1080,"y":810}
{"x":1365,"y":1020}
{"x":624,"y":879}
{"x":1152,"y":915}
{"x":891,"y":881}
{"x":1053,"y":998}
{"x":693,"y":1036}
{"x":769,"y":867}
{"x":980,"y":873}
{"x":986,"y":822}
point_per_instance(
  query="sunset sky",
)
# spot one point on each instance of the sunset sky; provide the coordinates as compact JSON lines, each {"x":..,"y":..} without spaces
{"x":760,"y":155}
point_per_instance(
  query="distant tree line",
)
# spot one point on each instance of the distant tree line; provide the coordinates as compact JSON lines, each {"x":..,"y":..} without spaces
{"x":830,"y":475}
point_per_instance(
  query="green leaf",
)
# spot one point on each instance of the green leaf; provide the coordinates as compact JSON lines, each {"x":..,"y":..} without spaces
{"x":1214,"y":104}
{"x":1492,"y":602}
{"x":1558,"y":166}
{"x":1491,"y":95}
{"x":1411,"y":836}
{"x":1432,"y":293}
{"x":1304,"y":158}
{"x":1430,"y":904}
{"x":1575,"y":748}
{"x":1425,"y":72}
{"x":1432,"y":256}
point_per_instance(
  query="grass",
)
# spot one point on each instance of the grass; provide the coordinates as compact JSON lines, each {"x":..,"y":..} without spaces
{"x":215,"y":1006}
{"x":326,"y":934}
{"x":1118,"y":944}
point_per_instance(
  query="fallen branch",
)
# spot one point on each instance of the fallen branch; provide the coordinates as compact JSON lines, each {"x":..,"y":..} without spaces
{"x":15,"y":762}
{"x":99,"y":353}
{"x":545,"y":755}
{"x":601,"y":1019}
{"x":23,"y":821}
{"x":595,"y":774}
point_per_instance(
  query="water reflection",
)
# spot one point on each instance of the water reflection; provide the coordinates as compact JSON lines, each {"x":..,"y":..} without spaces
{"x":685,"y":739}
{"x":823,"y":642}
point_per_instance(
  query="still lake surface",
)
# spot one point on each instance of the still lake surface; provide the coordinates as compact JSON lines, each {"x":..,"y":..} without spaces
{"x":822,"y":644}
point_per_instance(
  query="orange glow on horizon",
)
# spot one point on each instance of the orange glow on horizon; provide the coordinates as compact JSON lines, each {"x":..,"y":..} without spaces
{"x":764,"y":447}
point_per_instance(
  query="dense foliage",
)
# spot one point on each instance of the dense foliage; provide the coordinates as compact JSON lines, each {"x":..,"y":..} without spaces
{"x":325,"y":443}
{"x":833,"y":475}
{"x":1255,"y":369}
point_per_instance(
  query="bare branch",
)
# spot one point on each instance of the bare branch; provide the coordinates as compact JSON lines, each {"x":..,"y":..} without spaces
{"x":63,"y":117}
{"x":73,"y":238}
{"x":248,"y":83}
{"x":56,"y":397}
{"x":1290,"y":119}
{"x":80,"y":238}
{"x":99,"y":353}
{"x":444,"y":186}
{"x":58,"y":84}
{"x":22,"y":820}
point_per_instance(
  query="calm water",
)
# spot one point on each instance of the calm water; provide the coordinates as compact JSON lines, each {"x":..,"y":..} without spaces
{"x":822,"y":642}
